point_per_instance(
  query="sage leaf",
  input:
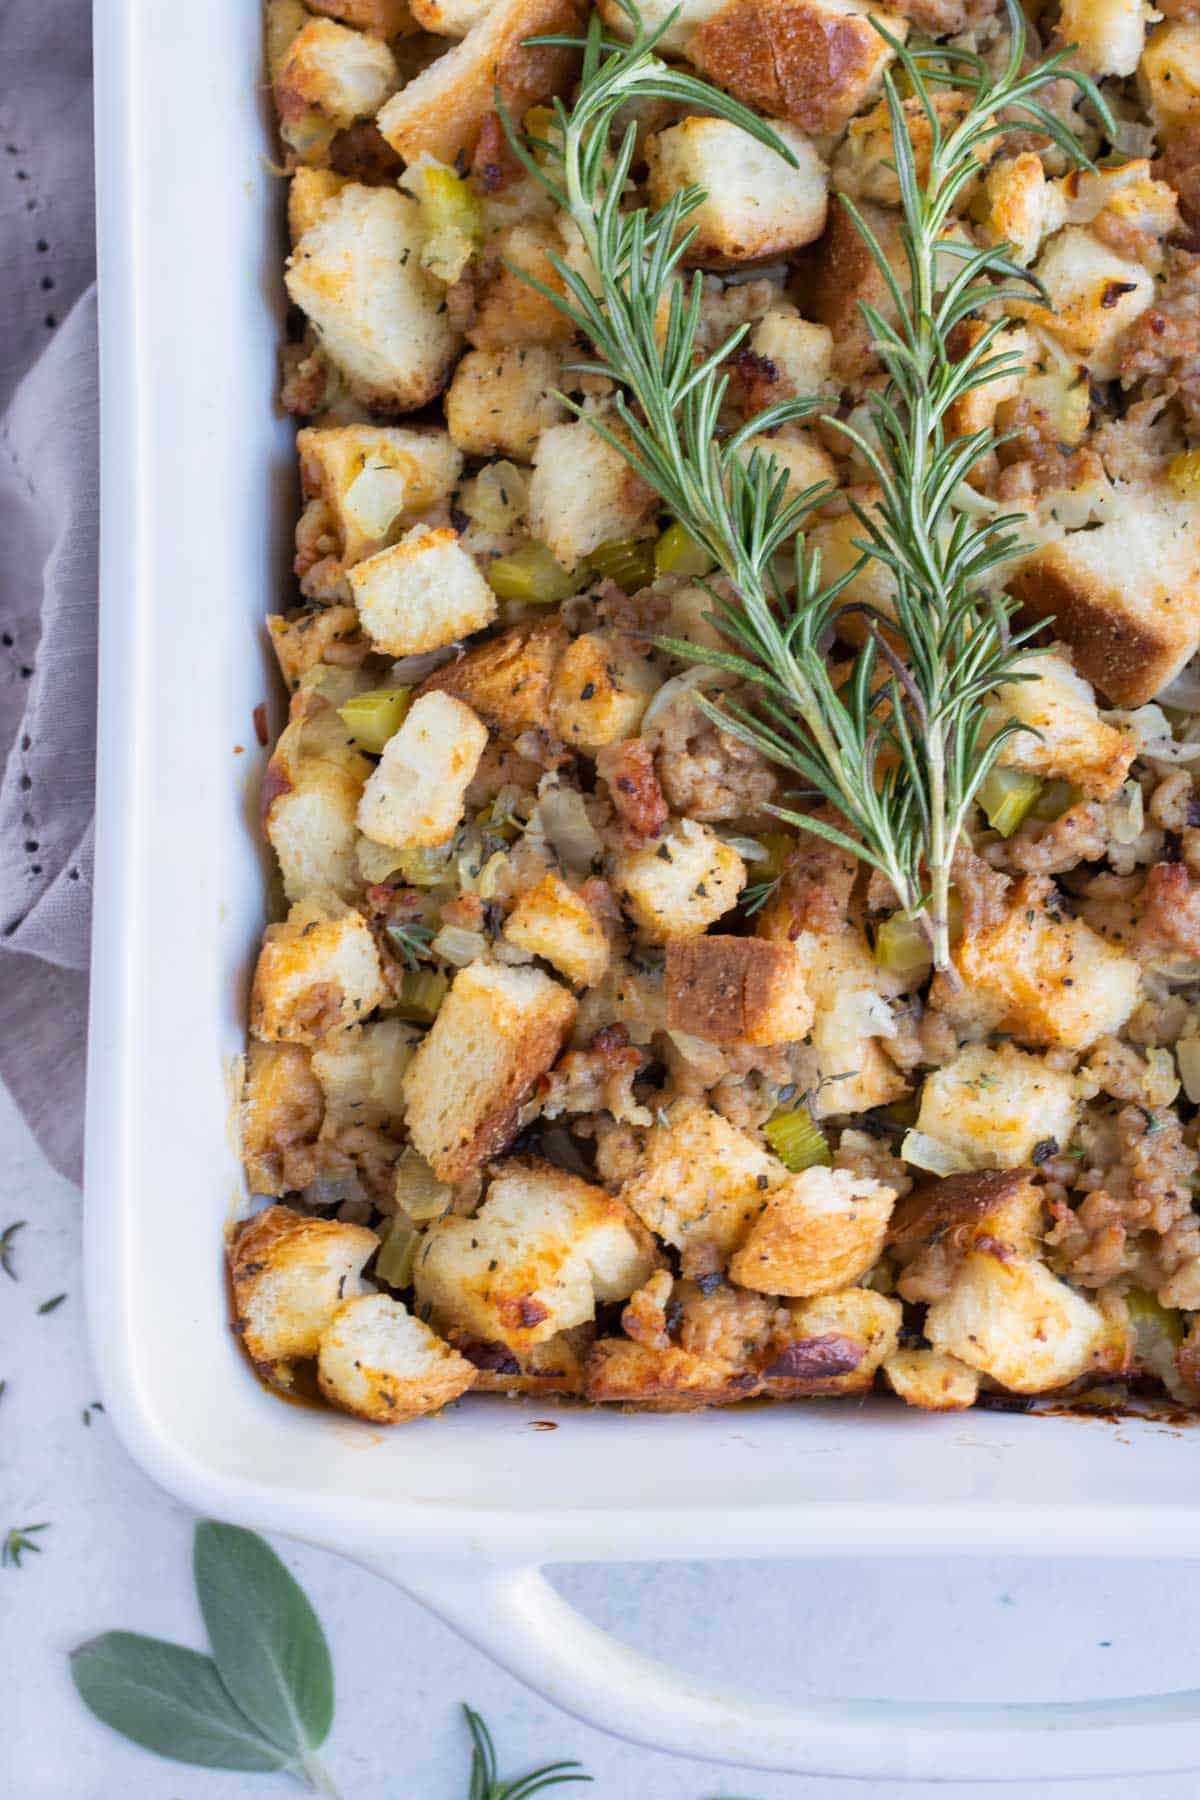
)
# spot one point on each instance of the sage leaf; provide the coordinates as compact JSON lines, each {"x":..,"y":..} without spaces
{"x":266,"y":1640}
{"x":169,"y":1700}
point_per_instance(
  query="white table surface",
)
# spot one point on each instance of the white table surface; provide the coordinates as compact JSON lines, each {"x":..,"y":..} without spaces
{"x":117,"y":1554}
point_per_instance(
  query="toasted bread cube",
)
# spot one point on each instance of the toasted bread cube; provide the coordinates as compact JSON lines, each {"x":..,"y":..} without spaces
{"x":846,"y":276}
{"x":755,"y":203}
{"x":873,"y":585}
{"x":1169,"y":75}
{"x":700,"y":1179}
{"x":819,"y":1231}
{"x":317,"y":972}
{"x":290,"y":1274}
{"x":501,"y":401}
{"x":851,"y":1023}
{"x":800,"y":354}
{"x":1124,"y":596}
{"x":1010,"y":1318}
{"x":382,"y":320}
{"x":600,"y":690}
{"x":449,"y":18}
{"x":553,"y":921}
{"x":361,"y":1073}
{"x":285,"y":20}
{"x":1072,"y":742}
{"x":807,"y":463}
{"x":1056,"y":979}
{"x":304,"y":642}
{"x":734,"y":990}
{"x":1022,"y":207}
{"x":1095,"y":295}
{"x":684,"y":17}
{"x":507,"y":679}
{"x":384,"y":18}
{"x":676,"y":887}
{"x":997,"y":1206}
{"x":308,"y":192}
{"x":835,"y":1343}
{"x":931,"y":1381}
{"x":441,"y":111}
{"x":711,"y":1356}
{"x":310,"y":794}
{"x":328,"y":78}
{"x":993,"y":1105}
{"x":583,"y":493}
{"x":864,"y":166}
{"x":281,"y":1112}
{"x":374,"y":480}
{"x":508,"y":311}
{"x":541,"y":1252}
{"x":376,"y":1361}
{"x":815,"y":62}
{"x":415,"y":797}
{"x":498,"y":1030}
{"x":1108,"y":35}
{"x":423,"y":593}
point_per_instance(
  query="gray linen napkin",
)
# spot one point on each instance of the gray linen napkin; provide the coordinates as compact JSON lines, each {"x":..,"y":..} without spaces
{"x":48,"y":528}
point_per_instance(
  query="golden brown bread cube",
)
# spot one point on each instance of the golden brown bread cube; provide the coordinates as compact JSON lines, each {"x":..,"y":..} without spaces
{"x":931,"y":1381}
{"x":376,"y":1361}
{"x":601,"y":687}
{"x":756,"y":204}
{"x":833,"y":1344}
{"x":281,"y":1111}
{"x":318,"y":971}
{"x":509,"y":313}
{"x":421,"y":594}
{"x":507,"y":679}
{"x":551,"y":920}
{"x":819,"y":1231}
{"x":1010,"y":1318}
{"x":676,"y":887}
{"x":699,"y":1179}
{"x":309,"y":799}
{"x":290,"y":1274}
{"x":732,"y":990}
{"x":415,"y":797}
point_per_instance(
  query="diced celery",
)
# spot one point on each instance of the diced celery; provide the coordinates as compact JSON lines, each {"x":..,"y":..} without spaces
{"x":453,"y":220}
{"x":627,"y":561}
{"x":1054,"y":799}
{"x":779,"y":846}
{"x":421,"y":994}
{"x":374,"y":717}
{"x":678,"y":553}
{"x":1148,"y":1314}
{"x":531,"y":575}
{"x":419,"y":1193}
{"x":425,"y":868}
{"x":395,"y":1256}
{"x":901,"y":946}
{"x":1006,"y":796}
{"x":797,"y":1140}
{"x":1183,"y":473}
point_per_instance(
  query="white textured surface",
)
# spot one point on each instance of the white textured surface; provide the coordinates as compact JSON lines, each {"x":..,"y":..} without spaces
{"x":118,"y":1553}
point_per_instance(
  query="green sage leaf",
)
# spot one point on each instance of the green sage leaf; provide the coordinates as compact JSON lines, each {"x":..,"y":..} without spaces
{"x":169,"y":1700}
{"x":267,"y":1642}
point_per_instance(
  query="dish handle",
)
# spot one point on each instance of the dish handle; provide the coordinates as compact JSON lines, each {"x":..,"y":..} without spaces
{"x":518,"y":1619}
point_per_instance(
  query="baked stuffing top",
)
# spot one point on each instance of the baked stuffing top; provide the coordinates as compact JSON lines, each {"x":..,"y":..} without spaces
{"x":740,"y":854}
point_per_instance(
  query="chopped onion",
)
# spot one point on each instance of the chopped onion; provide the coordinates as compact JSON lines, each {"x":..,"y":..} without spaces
{"x":335,"y":1190}
{"x":748,"y":848}
{"x":1161,"y":1082}
{"x":1187,"y":1056}
{"x":374,"y":499}
{"x":1151,"y":729}
{"x":671,"y":690}
{"x":455,"y":945}
{"x":411,"y":669}
{"x":1183,"y":695}
{"x":924,"y":1152}
{"x":1127,"y":814}
{"x":564,"y":822}
{"x":419,"y":1193}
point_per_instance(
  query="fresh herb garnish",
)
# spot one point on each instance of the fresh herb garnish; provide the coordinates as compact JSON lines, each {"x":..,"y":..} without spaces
{"x":95,"y":1407}
{"x":485,"y":1780}
{"x":48,"y":1306}
{"x":900,"y":747}
{"x":7,"y":1246}
{"x":17,"y":1541}
{"x":411,"y":943}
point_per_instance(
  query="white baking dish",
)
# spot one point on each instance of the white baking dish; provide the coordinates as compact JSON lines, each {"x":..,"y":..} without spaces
{"x":198,"y":503}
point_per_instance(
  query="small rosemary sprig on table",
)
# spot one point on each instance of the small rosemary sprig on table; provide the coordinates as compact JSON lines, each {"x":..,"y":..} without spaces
{"x":898,"y":749}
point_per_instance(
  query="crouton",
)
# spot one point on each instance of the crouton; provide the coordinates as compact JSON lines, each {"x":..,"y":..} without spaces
{"x":381,"y":319}
{"x":554,"y":1367}
{"x":421,"y":594}
{"x":957,"y":1211}
{"x":1108,"y":35}
{"x":1010,"y":1318}
{"x":678,"y":886}
{"x":506,"y":680}
{"x":373,"y":481}
{"x":583,"y":493}
{"x":383,"y":18}
{"x":281,"y":1111}
{"x":819,"y":1231}
{"x":833,"y":1344}
{"x":799,"y":354}
{"x":414,"y":799}
{"x":449,"y":18}
{"x":994,"y":1106}
{"x":755,"y":204}
{"x":931,"y":1381}
{"x":290,"y":1274}
{"x":1124,"y":595}
{"x":846,"y":275}
{"x":1072,"y":742}
{"x":700,"y":1180}
{"x":681,"y":16}
{"x":976,"y":410}
{"x":873,"y":585}
{"x":498,"y":1030}
{"x":329,"y":77}
{"x":553,"y":921}
{"x":1055,"y":980}
{"x":285,"y":20}
{"x":1095,"y":295}
{"x":308,"y":191}
{"x":851,"y":1023}
{"x":441,"y":111}
{"x":712,"y":1355}
{"x":815,"y":62}
{"x":376,"y":1361}
{"x":541,"y":1253}
{"x":1169,"y":75}
{"x":1021,"y":207}
{"x":361,"y":1072}
{"x":733,"y":990}
{"x":807,"y":464}
{"x":508,"y":311}
{"x":600,"y":689}
{"x":309,"y":799}
{"x":501,"y":401}
{"x":317,"y":972}
{"x":864,"y":166}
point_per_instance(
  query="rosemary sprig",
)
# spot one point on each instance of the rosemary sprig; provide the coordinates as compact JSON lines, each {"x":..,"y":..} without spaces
{"x":8,"y":1245}
{"x":411,"y":943}
{"x":19,"y":1542}
{"x":485,"y":1779}
{"x":899,"y":748}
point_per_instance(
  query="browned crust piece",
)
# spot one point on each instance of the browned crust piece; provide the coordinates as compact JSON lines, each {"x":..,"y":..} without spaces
{"x":790,"y":59}
{"x":731,"y":990}
{"x":507,"y":680}
{"x":1128,"y":660}
{"x":957,"y":1207}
